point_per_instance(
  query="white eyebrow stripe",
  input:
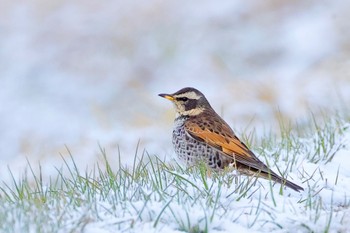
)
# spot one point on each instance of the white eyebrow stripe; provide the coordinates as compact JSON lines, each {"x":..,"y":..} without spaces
{"x":190,"y":95}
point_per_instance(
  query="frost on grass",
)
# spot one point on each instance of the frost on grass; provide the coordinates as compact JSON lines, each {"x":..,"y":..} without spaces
{"x":153,"y":196}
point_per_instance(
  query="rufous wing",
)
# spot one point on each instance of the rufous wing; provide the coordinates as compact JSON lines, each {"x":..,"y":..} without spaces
{"x":226,"y":141}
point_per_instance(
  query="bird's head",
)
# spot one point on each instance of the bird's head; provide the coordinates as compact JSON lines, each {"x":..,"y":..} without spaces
{"x":188,"y":101}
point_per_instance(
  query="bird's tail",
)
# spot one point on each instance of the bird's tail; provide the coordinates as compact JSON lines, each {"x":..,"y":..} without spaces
{"x":270,"y":175}
{"x":273,"y":176}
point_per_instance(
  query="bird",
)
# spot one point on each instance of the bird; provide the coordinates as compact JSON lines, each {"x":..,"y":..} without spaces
{"x":200,"y":134}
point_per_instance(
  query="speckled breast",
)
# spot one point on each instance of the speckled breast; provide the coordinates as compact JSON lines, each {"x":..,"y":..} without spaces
{"x":192,"y":151}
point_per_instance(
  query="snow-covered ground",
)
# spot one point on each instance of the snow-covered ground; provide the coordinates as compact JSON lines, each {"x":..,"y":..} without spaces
{"x":153,"y":197}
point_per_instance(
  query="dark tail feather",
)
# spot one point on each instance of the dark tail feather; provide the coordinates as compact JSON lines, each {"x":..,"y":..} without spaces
{"x":273,"y":176}
{"x":286,"y":182}
{"x":293,"y":186}
{"x":270,"y":175}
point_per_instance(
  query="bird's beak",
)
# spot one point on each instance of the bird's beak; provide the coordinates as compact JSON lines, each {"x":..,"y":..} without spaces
{"x":167,"y":96}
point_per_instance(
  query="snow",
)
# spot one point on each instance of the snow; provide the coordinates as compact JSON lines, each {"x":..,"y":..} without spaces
{"x":86,"y":74}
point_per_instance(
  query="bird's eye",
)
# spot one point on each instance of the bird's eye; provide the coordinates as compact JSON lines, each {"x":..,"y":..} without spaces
{"x":184,"y":99}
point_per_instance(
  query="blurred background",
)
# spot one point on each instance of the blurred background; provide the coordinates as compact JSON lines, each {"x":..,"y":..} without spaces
{"x":86,"y":74}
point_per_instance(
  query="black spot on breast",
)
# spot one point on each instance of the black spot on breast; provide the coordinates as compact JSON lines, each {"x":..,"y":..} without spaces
{"x":217,"y":156}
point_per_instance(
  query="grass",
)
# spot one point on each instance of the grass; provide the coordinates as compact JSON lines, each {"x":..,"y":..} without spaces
{"x":154,"y":195}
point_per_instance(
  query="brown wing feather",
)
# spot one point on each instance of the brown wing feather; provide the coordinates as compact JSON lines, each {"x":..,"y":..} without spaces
{"x":220,"y":136}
